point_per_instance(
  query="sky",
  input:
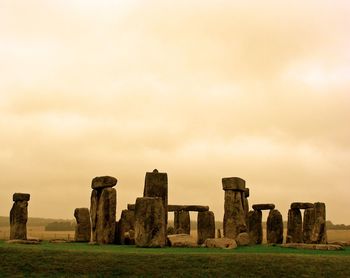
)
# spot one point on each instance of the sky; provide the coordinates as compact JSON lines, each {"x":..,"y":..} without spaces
{"x":199,"y":89}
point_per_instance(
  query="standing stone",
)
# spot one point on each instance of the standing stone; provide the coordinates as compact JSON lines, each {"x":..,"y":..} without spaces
{"x":182,"y":222}
{"x":205,"y":226}
{"x":294,"y":227}
{"x":274,"y":227}
{"x":246,"y":204}
{"x":319,"y":231}
{"x":150,"y":222}
{"x":125,"y":225}
{"x":218,"y":233}
{"x":103,"y":209}
{"x":19,"y":216}
{"x":255,"y":226}
{"x":234,"y":215}
{"x":308,"y":224}
{"x":83,"y":227}
{"x":156,"y":185}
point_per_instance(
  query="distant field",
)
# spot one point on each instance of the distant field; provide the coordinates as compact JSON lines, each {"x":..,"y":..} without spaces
{"x":83,"y":260}
{"x":39,"y":232}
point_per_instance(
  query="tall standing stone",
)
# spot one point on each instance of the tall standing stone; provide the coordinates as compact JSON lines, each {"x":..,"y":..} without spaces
{"x":294,"y":227}
{"x":308,"y":224}
{"x":274,"y":227}
{"x":246,"y":204}
{"x":319,"y":230}
{"x":103,"y":209}
{"x":156,"y":185}
{"x":125,"y":225}
{"x":205,"y":226}
{"x":255,"y":226}
{"x":234,"y":215}
{"x":83,"y":227}
{"x":19,"y":216}
{"x":150,"y":224}
{"x":182,"y":222}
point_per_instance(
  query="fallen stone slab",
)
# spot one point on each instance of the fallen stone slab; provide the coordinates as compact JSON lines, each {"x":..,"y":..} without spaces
{"x":243,"y":239}
{"x":59,"y":240}
{"x":233,"y":183}
{"x":22,"y":241}
{"x":341,"y":243}
{"x":103,"y":182}
{"x":181,"y":240}
{"x":263,"y":206}
{"x":300,"y":205}
{"x":325,"y":247}
{"x":173,"y":208}
{"x":227,"y":243}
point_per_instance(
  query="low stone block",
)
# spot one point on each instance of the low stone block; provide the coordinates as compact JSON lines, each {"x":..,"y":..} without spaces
{"x":21,"y":197}
{"x":233,"y":183}
{"x":227,"y":243}
{"x":103,"y":182}
{"x":181,"y":240}
{"x":300,"y":205}
{"x":243,"y":239}
{"x":263,"y":206}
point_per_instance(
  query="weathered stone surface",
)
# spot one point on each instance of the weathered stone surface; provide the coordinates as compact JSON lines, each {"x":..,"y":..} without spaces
{"x":156,"y":185}
{"x":103,"y":182}
{"x":19,"y":217}
{"x":234,"y":216}
{"x":181,"y":240}
{"x":103,"y":215}
{"x":294,"y":227}
{"x":21,"y":197}
{"x":319,"y":230}
{"x":150,"y":226}
{"x":205,"y":226}
{"x":255,"y":226}
{"x":233,"y":183}
{"x":300,"y":205}
{"x":341,"y":243}
{"x":274,"y":227}
{"x":125,"y":224}
{"x":173,"y":208}
{"x":243,"y":239}
{"x":83,"y":227}
{"x":246,"y":208}
{"x":325,"y":247}
{"x":308,"y":224}
{"x":129,"y":237}
{"x":182,"y":222}
{"x":227,"y":243}
{"x":263,"y":206}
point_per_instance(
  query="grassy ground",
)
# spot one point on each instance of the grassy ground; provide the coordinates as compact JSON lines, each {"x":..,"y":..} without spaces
{"x":74,"y":259}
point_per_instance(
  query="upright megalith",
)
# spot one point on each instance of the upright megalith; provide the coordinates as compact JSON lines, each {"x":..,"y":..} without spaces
{"x":255,"y":226}
{"x":319,"y":231}
{"x":156,"y":185}
{"x":274,"y":227}
{"x":308,"y":224}
{"x":150,"y":227}
{"x":83,"y":226}
{"x":182,"y":222}
{"x":205,"y":226}
{"x":126,"y":227}
{"x":19,"y":216}
{"x":246,"y":204}
{"x":103,"y":209}
{"x":234,"y":214}
{"x":294,"y":226}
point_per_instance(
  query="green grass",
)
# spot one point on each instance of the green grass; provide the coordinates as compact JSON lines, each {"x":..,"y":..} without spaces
{"x":74,"y":259}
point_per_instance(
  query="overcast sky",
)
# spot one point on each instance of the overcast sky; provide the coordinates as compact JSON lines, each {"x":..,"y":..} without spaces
{"x":198,"y":89}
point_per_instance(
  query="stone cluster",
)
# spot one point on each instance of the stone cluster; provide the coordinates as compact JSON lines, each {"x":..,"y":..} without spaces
{"x":103,"y":209}
{"x":19,"y":216}
{"x":310,"y":230}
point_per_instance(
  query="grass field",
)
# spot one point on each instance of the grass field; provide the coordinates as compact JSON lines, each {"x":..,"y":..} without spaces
{"x":83,"y":260}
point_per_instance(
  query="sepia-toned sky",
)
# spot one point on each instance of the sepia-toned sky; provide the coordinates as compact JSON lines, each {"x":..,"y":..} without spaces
{"x":198,"y":89}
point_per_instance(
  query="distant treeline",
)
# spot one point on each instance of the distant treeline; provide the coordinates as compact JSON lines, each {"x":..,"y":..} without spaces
{"x":68,"y":225}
